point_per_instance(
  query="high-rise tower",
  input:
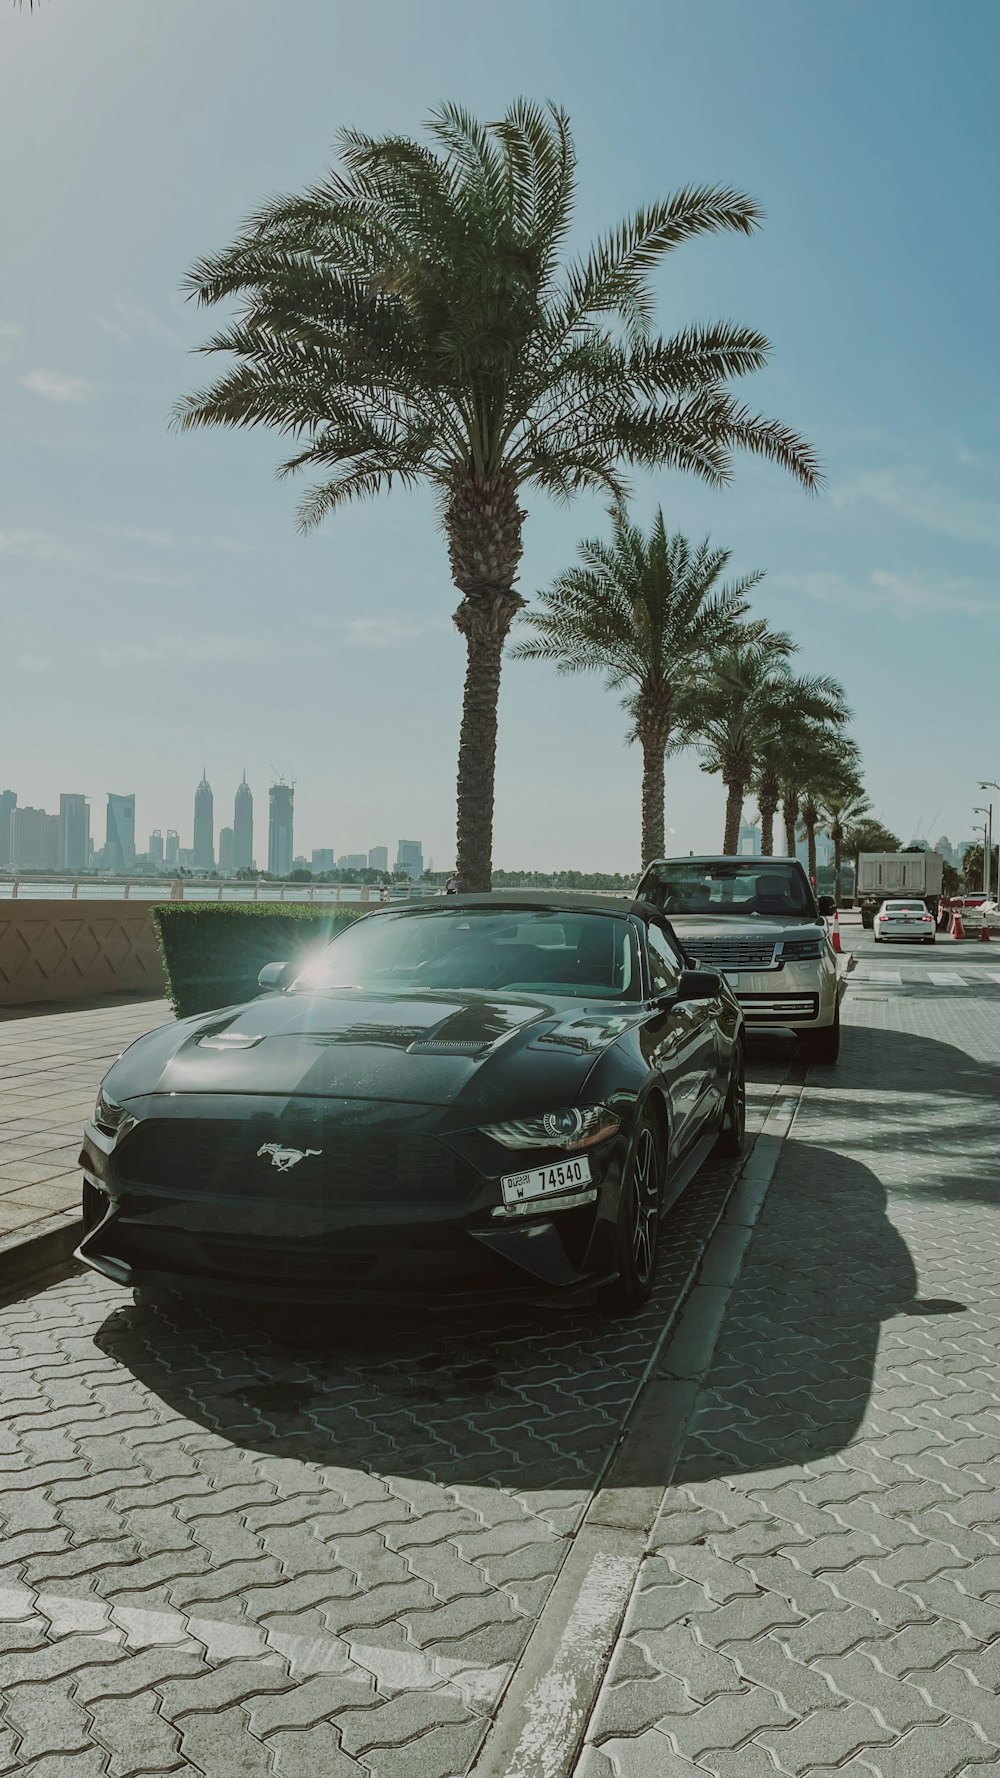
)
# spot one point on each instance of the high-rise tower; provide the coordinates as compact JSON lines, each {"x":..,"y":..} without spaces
{"x":204,"y":825}
{"x":119,"y":834}
{"x":243,"y":827}
{"x":279,"y":829}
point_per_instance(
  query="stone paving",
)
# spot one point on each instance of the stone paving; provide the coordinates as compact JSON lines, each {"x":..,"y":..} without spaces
{"x":51,"y":1065}
{"x":310,"y":1550}
{"x":822,"y":1588}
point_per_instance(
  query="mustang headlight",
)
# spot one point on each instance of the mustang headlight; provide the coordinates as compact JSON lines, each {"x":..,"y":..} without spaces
{"x":576,"y":1127}
{"x":108,"y":1114}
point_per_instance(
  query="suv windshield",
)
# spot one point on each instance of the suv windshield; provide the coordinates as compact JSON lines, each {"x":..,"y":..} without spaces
{"x":738,"y":886}
{"x":587,"y":956}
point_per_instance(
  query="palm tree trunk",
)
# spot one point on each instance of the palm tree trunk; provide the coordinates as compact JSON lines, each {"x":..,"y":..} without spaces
{"x":483,"y":523}
{"x":767,"y":803}
{"x":485,"y":627}
{"x":838,"y":862}
{"x":653,"y":791}
{"x":734,"y":815}
{"x":790,"y":815}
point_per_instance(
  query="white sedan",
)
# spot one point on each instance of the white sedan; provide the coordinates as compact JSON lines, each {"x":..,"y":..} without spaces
{"x":904,"y":919}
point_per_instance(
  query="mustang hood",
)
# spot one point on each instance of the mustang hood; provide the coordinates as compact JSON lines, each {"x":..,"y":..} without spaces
{"x":427,"y":1049}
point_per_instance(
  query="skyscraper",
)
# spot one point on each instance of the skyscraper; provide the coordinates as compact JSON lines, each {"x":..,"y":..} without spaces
{"x":410,"y":858}
{"x":323,"y":858}
{"x":204,"y":826}
{"x":8,"y":803}
{"x":378,"y":858}
{"x":155,"y":847}
{"x":227,"y":850}
{"x":279,"y":829}
{"x":26,"y":838}
{"x":243,"y":827}
{"x":119,"y":844}
{"x":74,"y":832}
{"x":171,"y":849}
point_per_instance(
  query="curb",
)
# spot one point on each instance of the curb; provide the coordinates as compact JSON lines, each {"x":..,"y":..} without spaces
{"x":38,"y":1255}
{"x":539,"y":1728}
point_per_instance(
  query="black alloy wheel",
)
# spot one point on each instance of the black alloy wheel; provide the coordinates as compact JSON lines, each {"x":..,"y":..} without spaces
{"x":732,"y":1135}
{"x":638,"y":1222}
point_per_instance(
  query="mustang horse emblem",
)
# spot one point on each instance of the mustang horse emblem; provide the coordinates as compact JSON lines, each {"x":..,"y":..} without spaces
{"x":286,"y":1158}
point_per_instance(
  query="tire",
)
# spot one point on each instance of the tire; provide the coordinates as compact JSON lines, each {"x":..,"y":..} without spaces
{"x":875,"y":937}
{"x":638,"y":1223}
{"x":823,"y":1046}
{"x":928,"y":941}
{"x":732,"y":1136}
{"x":867,"y":919}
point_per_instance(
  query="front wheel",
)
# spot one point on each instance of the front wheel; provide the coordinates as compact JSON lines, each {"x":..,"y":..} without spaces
{"x":732,"y":1135}
{"x":823,"y":1046}
{"x":638,"y":1223}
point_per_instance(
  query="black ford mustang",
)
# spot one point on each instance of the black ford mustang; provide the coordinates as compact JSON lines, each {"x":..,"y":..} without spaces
{"x":485,"y":1095}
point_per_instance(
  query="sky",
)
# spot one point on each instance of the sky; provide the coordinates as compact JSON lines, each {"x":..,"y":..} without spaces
{"x":160,"y":612}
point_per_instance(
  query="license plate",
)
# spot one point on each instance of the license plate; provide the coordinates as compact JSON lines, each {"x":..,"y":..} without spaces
{"x":541,"y":1182}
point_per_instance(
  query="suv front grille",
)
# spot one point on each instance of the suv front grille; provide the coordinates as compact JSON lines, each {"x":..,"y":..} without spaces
{"x":731,"y":953}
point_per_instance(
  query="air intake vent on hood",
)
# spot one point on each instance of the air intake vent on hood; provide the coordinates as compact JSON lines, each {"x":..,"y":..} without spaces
{"x":443,"y":1046}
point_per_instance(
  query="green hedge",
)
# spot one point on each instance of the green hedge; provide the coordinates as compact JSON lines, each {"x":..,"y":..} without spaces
{"x":213,"y":952}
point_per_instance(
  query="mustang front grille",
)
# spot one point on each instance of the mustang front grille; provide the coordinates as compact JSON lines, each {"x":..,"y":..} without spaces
{"x":353,"y":1165}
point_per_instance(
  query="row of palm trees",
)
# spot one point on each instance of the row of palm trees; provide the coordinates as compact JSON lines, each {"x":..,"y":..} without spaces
{"x":652,"y":614}
{"x":415,"y":318}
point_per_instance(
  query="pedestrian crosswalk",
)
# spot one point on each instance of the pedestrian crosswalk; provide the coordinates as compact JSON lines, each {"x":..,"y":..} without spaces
{"x":865,"y":976}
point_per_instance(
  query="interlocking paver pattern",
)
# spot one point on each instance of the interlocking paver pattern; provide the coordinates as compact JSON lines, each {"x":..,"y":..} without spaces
{"x":51,"y":1066}
{"x":304,"y":1548}
{"x":833,"y":1534}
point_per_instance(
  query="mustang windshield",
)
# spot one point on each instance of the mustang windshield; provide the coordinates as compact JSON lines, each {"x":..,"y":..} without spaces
{"x":737,"y":886}
{"x":587,"y":956}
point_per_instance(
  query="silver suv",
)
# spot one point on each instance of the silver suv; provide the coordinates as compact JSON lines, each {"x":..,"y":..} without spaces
{"x":758,"y":921}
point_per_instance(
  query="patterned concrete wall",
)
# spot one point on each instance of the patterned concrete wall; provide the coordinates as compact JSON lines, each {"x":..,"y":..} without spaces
{"x":70,"y":950}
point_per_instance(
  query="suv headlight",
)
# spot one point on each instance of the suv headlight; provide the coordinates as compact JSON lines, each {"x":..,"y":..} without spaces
{"x":576,"y":1127}
{"x":802,"y":950}
{"x":108,"y":1114}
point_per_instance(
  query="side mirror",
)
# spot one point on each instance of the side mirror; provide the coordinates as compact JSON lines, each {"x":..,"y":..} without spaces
{"x":698,"y":984}
{"x":275,"y":976}
{"x":827,"y":906}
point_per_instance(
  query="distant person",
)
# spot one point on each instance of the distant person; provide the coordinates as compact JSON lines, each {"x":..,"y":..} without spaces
{"x":451,"y":887}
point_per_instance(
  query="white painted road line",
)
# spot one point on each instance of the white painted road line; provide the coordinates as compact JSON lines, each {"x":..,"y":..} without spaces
{"x":942,"y":980}
{"x":891,"y":976}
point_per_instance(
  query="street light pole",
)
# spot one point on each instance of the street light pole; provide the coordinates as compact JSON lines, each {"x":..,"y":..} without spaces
{"x":989,"y":784}
{"x":987,"y":843}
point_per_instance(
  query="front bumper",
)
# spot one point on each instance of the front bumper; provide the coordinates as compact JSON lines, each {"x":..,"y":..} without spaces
{"x":158,"y":1215}
{"x":797,"y":997}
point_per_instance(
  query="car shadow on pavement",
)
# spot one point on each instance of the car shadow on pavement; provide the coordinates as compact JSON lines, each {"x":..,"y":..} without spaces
{"x":791,"y":1374}
{"x":513,"y":1397}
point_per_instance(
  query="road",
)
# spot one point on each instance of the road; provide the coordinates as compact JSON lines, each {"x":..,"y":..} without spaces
{"x":320,"y":1551}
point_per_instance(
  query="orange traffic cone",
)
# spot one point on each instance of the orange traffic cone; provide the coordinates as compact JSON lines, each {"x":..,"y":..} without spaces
{"x":984,"y":932}
{"x":835,"y":935}
{"x":957,"y":929}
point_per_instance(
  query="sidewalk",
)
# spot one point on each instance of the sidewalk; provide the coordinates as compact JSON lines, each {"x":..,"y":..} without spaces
{"x":821,"y":1591}
{"x":51,"y":1065}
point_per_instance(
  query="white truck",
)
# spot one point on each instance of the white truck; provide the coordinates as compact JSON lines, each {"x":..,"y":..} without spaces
{"x":884,"y":875}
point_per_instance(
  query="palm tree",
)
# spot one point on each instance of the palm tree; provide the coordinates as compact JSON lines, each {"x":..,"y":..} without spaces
{"x":412,"y":319}
{"x":868,"y":835}
{"x":830,"y":767}
{"x":750,"y":697}
{"x":648,"y":613}
{"x":844,"y":805}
